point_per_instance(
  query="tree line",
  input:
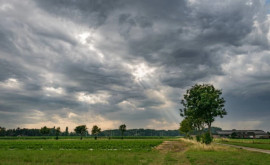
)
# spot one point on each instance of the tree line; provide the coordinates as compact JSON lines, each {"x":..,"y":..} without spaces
{"x":103,"y":133}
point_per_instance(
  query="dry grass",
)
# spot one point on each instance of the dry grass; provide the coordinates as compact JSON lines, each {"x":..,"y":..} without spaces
{"x":171,"y":146}
{"x":210,"y":147}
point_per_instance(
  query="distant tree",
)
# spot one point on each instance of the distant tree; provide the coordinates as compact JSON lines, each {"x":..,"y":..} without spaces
{"x":2,"y":131}
{"x":203,"y":102}
{"x":186,"y":126}
{"x":66,"y":132}
{"x":52,"y":131}
{"x":81,"y":129}
{"x":234,"y":135}
{"x":95,"y":131}
{"x":122,"y":128}
{"x":45,"y":130}
{"x":57,"y":132}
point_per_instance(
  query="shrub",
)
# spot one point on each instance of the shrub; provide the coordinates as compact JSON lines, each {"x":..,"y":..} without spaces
{"x":233,"y":135}
{"x":206,"y":138}
{"x":198,"y":138}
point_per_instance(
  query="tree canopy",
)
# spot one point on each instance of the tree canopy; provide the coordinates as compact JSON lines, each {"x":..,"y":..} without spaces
{"x":122,"y":128}
{"x":96,"y":130}
{"x":81,"y":129}
{"x":186,"y":126}
{"x":45,"y":130}
{"x":203,"y":103}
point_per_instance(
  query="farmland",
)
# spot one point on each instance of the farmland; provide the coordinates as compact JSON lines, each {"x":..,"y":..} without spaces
{"x":127,"y":151}
{"x":79,"y":144}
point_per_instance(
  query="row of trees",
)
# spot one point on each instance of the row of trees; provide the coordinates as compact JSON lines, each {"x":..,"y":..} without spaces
{"x":201,"y":105}
{"x":109,"y":133}
{"x":96,"y":130}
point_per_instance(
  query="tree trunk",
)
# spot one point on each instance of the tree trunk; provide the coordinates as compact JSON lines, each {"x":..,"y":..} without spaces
{"x":209,"y":129}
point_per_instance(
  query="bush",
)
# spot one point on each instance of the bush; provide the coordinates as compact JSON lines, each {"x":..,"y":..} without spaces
{"x":233,"y":135}
{"x":198,"y":138}
{"x":206,"y":138}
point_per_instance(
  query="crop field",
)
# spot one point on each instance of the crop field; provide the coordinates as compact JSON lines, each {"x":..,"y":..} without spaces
{"x":127,"y":151}
{"x":86,"y":137}
{"x":79,"y":144}
{"x":253,"y":143}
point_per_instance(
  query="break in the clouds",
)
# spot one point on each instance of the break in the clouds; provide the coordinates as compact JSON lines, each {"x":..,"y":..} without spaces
{"x":103,"y":62}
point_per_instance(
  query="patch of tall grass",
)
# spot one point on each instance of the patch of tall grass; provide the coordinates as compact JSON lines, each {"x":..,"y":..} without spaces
{"x":209,"y":147}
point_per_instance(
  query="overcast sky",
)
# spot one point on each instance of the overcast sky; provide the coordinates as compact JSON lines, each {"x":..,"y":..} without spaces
{"x":108,"y":62}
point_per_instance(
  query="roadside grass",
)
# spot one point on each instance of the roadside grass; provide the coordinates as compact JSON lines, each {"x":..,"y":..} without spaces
{"x":214,"y":154}
{"x":256,"y":143}
{"x":239,"y":157}
{"x":251,"y":145}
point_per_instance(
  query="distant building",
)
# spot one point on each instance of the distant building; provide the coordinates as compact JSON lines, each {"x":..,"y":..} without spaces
{"x":258,"y":134}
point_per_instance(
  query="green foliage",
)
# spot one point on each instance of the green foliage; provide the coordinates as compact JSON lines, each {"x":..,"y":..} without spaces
{"x":202,"y":103}
{"x":44,"y":130}
{"x":2,"y":131}
{"x":95,"y":131}
{"x":122,"y":128}
{"x":207,"y":138}
{"x":186,"y":126}
{"x":81,"y":129}
{"x":198,"y":138}
{"x":57,"y":132}
{"x":25,"y":132}
{"x":233,"y":135}
{"x":66,"y":132}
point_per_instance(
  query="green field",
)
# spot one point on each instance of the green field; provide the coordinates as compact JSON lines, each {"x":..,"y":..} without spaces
{"x":138,"y":144}
{"x":253,"y":143}
{"x":85,"y":137}
{"x":127,"y":151}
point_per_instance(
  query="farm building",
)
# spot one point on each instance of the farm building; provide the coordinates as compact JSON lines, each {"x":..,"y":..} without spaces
{"x":243,"y":134}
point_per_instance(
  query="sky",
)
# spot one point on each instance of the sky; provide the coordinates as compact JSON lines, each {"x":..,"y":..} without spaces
{"x":109,"y":62}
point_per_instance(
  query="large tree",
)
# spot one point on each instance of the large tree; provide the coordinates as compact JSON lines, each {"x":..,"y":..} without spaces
{"x":95,"y":131}
{"x":122,"y":128}
{"x":203,"y":103}
{"x":81,"y":129}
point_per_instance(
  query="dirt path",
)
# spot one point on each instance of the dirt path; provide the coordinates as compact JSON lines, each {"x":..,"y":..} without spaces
{"x":171,"y":146}
{"x":247,"y":148}
{"x":173,"y":153}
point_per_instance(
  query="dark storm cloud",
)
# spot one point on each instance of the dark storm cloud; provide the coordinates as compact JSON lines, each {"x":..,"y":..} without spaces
{"x":130,"y":60}
{"x":90,"y":12}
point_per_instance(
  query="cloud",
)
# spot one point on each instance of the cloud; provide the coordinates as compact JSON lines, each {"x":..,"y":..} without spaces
{"x":130,"y":61}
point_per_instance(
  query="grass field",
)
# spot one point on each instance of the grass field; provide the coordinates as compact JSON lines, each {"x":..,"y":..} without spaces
{"x":85,"y":137}
{"x":253,"y":143}
{"x":127,"y":151}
